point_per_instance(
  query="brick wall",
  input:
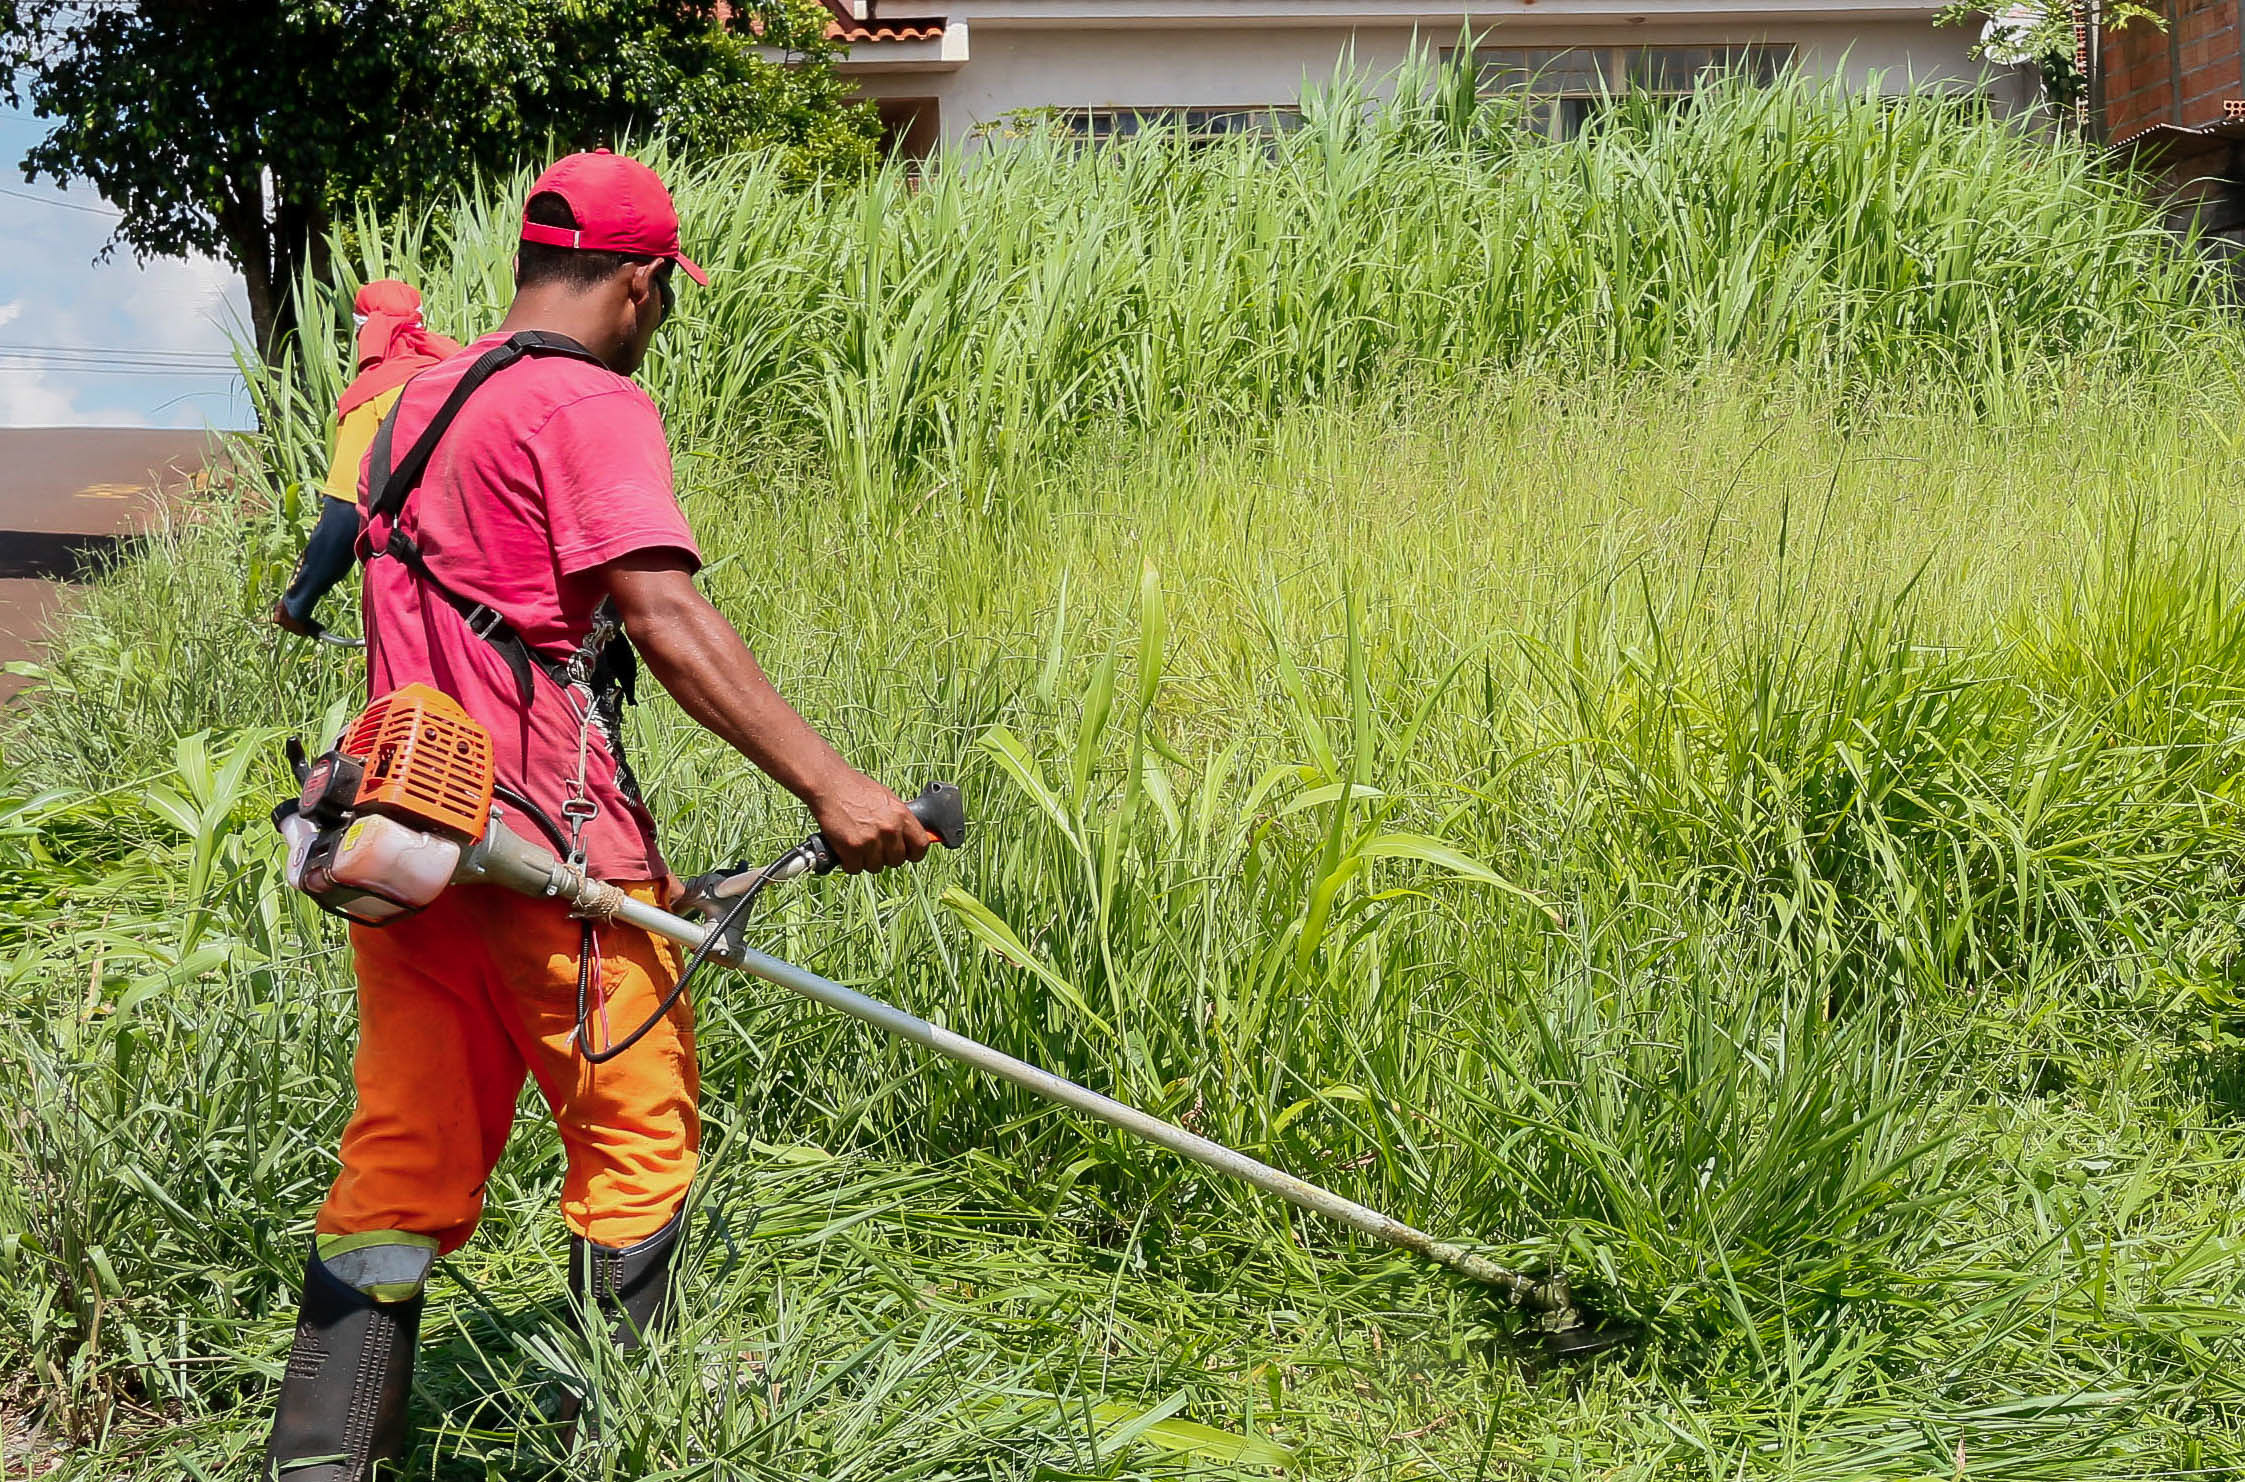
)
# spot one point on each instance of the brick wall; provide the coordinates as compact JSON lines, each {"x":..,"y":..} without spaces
{"x":2181,"y":75}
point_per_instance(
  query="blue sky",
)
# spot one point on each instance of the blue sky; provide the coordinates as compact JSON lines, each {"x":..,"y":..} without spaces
{"x":64,"y":320}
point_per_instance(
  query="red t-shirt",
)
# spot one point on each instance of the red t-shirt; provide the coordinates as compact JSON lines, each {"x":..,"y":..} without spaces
{"x":552,"y":468}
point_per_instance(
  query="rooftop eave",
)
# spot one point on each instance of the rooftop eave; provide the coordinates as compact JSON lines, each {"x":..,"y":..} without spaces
{"x":944,"y":53}
{"x":2162,"y":136}
{"x":1328,"y":13}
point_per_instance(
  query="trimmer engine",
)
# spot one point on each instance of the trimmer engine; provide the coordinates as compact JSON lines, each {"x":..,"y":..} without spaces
{"x":377,"y":831}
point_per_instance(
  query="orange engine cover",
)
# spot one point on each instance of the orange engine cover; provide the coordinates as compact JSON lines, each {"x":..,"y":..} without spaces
{"x":427,"y":761}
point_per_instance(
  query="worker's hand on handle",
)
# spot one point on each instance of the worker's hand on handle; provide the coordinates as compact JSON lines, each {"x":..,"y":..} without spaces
{"x":867,"y":826}
{"x":701,"y":660}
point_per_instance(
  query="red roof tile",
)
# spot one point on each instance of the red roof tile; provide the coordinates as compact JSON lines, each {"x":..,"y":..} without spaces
{"x":845,"y":26}
{"x":930,"y":29}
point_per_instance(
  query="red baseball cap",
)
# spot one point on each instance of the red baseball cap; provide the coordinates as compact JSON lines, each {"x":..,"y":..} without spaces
{"x":620,"y":206}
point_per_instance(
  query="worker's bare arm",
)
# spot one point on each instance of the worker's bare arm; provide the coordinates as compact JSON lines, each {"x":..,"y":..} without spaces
{"x":704,"y":664}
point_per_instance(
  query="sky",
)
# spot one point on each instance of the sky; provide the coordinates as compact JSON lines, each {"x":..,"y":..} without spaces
{"x":67,"y":323}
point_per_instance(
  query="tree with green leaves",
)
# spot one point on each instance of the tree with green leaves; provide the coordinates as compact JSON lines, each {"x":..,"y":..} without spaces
{"x":2043,"y":32}
{"x":243,"y":130}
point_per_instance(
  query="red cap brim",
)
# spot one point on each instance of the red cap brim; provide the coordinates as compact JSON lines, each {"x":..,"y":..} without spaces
{"x":686,"y":266}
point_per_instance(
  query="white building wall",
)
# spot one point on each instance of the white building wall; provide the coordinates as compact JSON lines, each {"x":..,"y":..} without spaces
{"x":1018,"y":66}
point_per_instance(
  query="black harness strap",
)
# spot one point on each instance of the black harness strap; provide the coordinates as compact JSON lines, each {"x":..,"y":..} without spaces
{"x":396,"y":482}
{"x":611,"y":665}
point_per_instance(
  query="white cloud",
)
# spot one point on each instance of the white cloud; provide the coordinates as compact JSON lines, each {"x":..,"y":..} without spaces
{"x":55,"y":295}
{"x":31,"y":397}
{"x":185,"y":304}
{"x":27,"y":400}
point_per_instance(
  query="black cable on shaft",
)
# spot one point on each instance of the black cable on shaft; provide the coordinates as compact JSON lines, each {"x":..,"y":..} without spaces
{"x":587,"y":944}
{"x":695,"y":961}
{"x":535,"y":814}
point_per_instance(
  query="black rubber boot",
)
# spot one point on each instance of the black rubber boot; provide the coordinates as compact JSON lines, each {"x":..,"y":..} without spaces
{"x":342,"y":1403}
{"x":632,"y":1283}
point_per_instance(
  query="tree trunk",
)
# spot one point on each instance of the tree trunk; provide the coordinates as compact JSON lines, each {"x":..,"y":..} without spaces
{"x":273,"y":255}
{"x":251,"y":240}
{"x":291,"y":235}
{"x":257,"y":282}
{"x":273,"y":258}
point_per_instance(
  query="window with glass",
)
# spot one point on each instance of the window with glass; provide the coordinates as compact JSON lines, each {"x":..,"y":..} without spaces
{"x":1565,"y":86}
{"x":1198,"y":124}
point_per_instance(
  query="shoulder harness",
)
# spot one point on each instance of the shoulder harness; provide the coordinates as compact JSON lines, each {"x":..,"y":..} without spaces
{"x":604,"y":663}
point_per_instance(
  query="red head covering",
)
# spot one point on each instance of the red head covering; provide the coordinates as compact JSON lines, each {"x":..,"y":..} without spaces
{"x":394,"y":345}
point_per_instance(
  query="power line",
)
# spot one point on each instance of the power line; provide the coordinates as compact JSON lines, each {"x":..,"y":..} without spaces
{"x":80,"y":348}
{"x":74,"y":360}
{"x":165,"y":406}
{"x":105,"y":370}
{"x":155,"y":367}
{"x":102,"y":354}
{"x":39,"y":200}
{"x":120,"y":367}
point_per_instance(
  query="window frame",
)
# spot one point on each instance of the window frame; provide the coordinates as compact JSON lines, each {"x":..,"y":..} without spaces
{"x":1196,"y":121}
{"x":1579,"y":92}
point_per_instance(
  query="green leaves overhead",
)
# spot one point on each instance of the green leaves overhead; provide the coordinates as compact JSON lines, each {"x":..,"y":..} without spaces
{"x":249,"y":138}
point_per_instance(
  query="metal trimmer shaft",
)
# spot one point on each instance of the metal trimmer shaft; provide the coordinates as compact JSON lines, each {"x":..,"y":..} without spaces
{"x":505,"y":858}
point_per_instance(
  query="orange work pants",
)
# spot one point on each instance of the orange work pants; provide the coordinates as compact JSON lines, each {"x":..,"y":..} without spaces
{"x":456,"y":1004}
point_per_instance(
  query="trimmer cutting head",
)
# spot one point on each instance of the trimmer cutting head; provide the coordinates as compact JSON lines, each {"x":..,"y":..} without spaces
{"x":1587,"y":1336}
{"x":1570,"y":1332}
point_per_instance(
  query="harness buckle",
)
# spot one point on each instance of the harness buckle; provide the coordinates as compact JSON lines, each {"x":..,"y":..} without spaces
{"x":484,"y":620}
{"x":579,"y":810}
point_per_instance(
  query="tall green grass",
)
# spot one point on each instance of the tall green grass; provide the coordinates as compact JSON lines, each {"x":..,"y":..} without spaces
{"x":1726,"y":791}
{"x":946,"y":328}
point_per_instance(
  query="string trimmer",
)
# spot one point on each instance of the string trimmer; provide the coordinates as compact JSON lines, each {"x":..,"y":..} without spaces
{"x":404,"y":806}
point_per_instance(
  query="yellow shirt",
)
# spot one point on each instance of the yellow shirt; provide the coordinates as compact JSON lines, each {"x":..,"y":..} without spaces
{"x":352,"y":439}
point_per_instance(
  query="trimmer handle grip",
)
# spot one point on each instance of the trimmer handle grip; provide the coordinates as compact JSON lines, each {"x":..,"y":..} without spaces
{"x":941,"y":809}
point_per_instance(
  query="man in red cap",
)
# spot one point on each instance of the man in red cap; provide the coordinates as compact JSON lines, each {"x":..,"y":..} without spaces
{"x":520,"y":523}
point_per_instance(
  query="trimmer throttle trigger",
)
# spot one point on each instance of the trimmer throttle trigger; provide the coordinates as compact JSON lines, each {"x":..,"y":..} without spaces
{"x":711,"y":892}
{"x":941,"y":809}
